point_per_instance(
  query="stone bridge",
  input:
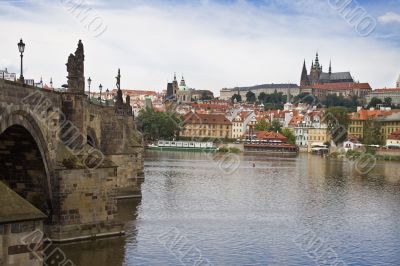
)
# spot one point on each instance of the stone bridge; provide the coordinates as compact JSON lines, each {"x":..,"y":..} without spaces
{"x":69,"y":157}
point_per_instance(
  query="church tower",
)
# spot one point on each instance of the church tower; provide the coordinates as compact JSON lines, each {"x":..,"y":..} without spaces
{"x":398,"y":83}
{"x":316,"y":71}
{"x":304,"y":81}
{"x":175,"y":86}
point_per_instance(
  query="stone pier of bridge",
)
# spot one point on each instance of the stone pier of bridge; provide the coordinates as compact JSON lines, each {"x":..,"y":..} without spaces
{"x":69,"y":157}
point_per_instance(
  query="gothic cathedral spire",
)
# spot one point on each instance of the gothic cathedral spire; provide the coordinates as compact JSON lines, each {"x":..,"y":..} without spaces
{"x":304,"y":75}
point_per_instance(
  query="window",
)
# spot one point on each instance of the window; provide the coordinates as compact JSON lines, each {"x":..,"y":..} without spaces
{"x":17,"y":228}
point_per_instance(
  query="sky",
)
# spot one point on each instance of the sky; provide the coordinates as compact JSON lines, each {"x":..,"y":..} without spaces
{"x":213,"y":44}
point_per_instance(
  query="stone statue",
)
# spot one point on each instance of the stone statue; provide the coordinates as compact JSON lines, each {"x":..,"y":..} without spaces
{"x":75,"y":69}
{"x":119,"y":101}
{"x":119,"y":80}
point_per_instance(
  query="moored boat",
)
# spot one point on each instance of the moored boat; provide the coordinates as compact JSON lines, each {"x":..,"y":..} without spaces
{"x":282,"y":148}
{"x":165,"y":145}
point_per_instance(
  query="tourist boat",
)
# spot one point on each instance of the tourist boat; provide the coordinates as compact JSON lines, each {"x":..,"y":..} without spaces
{"x":319,"y":149}
{"x":165,"y":145}
{"x":271,"y":148}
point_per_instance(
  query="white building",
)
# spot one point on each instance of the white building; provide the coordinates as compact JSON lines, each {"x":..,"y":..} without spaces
{"x":4,"y":74}
{"x":227,"y":93}
{"x":312,"y":120}
{"x":381,"y":94}
{"x":394,"y":139}
{"x":237,"y":127}
{"x":301,"y":134}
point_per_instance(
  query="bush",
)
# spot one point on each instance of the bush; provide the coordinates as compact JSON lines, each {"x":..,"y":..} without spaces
{"x":353,"y":154}
{"x":234,"y":150}
{"x":223,"y":150}
{"x":334,"y":154}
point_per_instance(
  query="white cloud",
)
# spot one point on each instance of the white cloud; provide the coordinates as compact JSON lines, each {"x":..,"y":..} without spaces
{"x":389,"y":17}
{"x":213,"y":45}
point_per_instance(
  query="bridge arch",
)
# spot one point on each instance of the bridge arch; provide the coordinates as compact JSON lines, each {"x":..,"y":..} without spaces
{"x":25,"y":159}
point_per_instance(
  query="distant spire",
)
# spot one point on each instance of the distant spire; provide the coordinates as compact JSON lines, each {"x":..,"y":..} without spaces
{"x":174,"y":76}
{"x":304,"y":75}
{"x":316,"y":61}
{"x":312,"y":64}
{"x":330,"y":67}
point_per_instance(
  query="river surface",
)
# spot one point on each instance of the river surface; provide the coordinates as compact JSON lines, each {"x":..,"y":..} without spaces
{"x":306,"y":210}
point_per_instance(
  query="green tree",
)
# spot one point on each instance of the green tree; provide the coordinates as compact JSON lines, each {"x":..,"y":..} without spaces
{"x":337,"y":120}
{"x":261,"y":125}
{"x":374,"y":102}
{"x":250,"y":97}
{"x":306,"y":97}
{"x":372,"y":134}
{"x":159,"y":125}
{"x":388,"y":101}
{"x":275,"y":126}
{"x":289,"y":135}
{"x":205,"y":97}
{"x":236,"y":97}
{"x":262,"y":97}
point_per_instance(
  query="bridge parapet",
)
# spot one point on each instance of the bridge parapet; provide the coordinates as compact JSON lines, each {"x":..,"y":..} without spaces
{"x":74,"y":157}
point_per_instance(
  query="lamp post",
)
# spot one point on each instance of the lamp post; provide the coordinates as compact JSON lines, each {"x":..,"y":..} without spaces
{"x":51,"y":84}
{"x":89,"y":81}
{"x":21,"y":48}
{"x":101,"y":88}
{"x":107,"y":91}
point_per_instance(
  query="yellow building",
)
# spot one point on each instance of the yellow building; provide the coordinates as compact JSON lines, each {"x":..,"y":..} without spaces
{"x":389,"y":125}
{"x":318,"y":136}
{"x":389,"y":121}
{"x":206,"y":126}
{"x":356,"y":128}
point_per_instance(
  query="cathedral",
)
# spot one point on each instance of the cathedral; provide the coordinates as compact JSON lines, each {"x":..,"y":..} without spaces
{"x":318,"y":76}
{"x":180,"y":93}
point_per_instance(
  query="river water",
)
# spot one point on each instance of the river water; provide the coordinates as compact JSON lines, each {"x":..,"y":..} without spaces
{"x":306,"y":210}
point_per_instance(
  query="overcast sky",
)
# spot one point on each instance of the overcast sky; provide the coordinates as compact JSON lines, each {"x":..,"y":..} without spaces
{"x":214,"y":44}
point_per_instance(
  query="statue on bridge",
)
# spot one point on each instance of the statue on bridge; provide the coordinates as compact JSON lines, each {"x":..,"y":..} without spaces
{"x":75,"y":69}
{"x":122,"y":108}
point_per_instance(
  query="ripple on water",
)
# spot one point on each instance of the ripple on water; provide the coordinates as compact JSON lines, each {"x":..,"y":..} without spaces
{"x":255,"y":215}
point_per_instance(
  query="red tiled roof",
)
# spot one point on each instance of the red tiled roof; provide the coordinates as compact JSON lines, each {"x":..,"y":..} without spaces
{"x":209,"y":106}
{"x":198,"y":118}
{"x":395,"y":135}
{"x":366,"y":114}
{"x":387,"y":90}
{"x":296,"y":119}
{"x":353,"y":138}
{"x":265,"y":135}
{"x":136,"y":92}
{"x":342,"y":86}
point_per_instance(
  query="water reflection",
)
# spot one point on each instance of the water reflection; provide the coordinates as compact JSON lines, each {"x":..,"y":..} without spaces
{"x":108,"y":251}
{"x":254,"y":215}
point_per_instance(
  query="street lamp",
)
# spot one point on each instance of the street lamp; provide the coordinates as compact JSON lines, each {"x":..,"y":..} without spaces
{"x":101,"y":88}
{"x":21,"y":48}
{"x":51,"y":84}
{"x":89,"y":81}
{"x":107,"y":91}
